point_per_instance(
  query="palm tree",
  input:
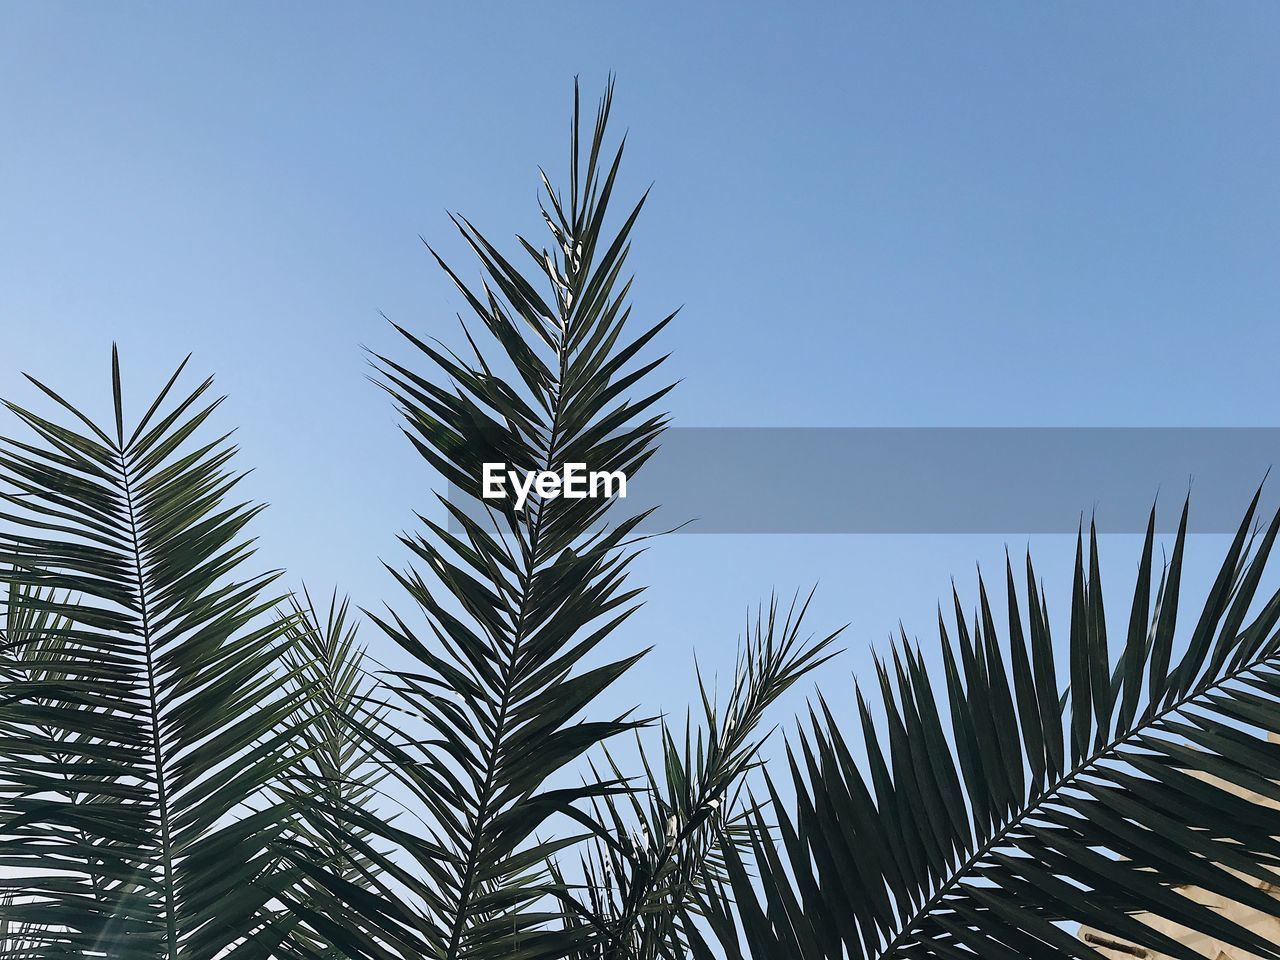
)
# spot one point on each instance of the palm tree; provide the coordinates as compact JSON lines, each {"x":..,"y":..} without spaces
{"x":194,"y":765}
{"x":188,"y":772}
{"x":1037,"y":804}
{"x":142,"y":712}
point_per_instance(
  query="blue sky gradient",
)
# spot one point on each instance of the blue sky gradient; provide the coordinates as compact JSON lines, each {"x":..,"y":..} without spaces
{"x":889,"y":214}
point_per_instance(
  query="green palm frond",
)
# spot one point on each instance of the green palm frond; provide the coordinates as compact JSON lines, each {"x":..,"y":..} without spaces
{"x":330,"y":684}
{"x":992,"y":832}
{"x":515,"y":600}
{"x":141,"y":706}
{"x":660,"y":847}
{"x":34,"y":678}
{"x":336,"y":767}
{"x":18,"y":941}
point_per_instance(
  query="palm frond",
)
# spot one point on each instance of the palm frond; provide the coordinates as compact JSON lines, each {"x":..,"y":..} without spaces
{"x":329,"y":683}
{"x":34,"y":654}
{"x":661,"y":846}
{"x":989,"y":833}
{"x":513,"y":600}
{"x":18,"y":941}
{"x":335,"y":767}
{"x":141,"y":706}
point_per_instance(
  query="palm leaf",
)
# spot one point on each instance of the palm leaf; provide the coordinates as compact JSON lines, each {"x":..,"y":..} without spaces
{"x":989,"y":833}
{"x":142,"y":707}
{"x":659,"y":848}
{"x":18,"y":941}
{"x":335,"y":768}
{"x":509,"y":603}
{"x":34,"y":678}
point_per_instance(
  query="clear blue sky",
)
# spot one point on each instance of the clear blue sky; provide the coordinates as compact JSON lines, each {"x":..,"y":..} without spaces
{"x":875,"y":214}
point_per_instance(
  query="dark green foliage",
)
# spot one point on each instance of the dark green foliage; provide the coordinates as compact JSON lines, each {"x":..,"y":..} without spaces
{"x":983,"y":834}
{"x":18,"y":940}
{"x":140,"y":707}
{"x":515,"y":602}
{"x":192,"y":767}
{"x":665,"y":844}
{"x":335,"y":766}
